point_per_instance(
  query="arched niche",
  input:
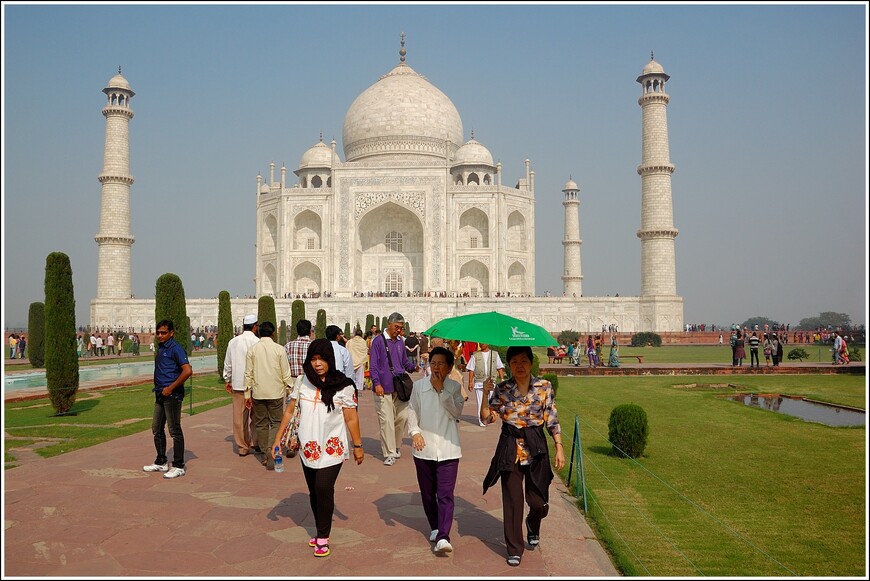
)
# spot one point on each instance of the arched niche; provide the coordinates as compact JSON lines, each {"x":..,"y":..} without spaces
{"x":474,"y":279}
{"x":307,"y":231}
{"x":473,"y":229}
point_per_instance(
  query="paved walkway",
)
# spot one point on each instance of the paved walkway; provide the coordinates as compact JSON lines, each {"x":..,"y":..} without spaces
{"x":93,"y":512}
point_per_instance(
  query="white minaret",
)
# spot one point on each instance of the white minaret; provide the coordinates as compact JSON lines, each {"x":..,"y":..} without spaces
{"x":572,"y":279}
{"x":658,"y":273}
{"x":114,"y":239}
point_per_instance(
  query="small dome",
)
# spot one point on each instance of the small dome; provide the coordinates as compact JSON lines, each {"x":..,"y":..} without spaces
{"x":318,"y":156}
{"x":264,"y":189}
{"x":652,"y":67}
{"x":570,"y":185}
{"x":472,"y":153}
{"x":118,"y":82}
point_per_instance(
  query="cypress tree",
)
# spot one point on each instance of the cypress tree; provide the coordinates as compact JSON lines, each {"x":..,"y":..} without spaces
{"x":347,"y":331}
{"x":320,"y":325}
{"x":266,"y":310}
{"x":370,"y":320}
{"x":61,"y":360}
{"x":169,"y":303}
{"x":297,"y":312}
{"x":282,"y":332}
{"x":225,"y":328}
{"x":36,"y":335}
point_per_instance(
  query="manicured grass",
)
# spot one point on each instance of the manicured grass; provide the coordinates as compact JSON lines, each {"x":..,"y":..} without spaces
{"x":723,"y":489}
{"x":102,"y":415}
{"x":144,"y":355}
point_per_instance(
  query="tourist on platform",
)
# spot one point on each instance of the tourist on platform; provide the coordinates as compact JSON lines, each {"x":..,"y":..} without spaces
{"x":578,"y":352}
{"x":388,"y":357}
{"x":22,"y":346}
{"x":753,"y":350}
{"x":13,"y":343}
{"x":526,"y":406}
{"x":435,"y":406}
{"x":110,"y":344}
{"x":80,"y":345}
{"x":590,"y":351}
{"x":327,"y":403}
{"x":171,"y":370}
{"x":484,"y":363}
{"x":613,"y":358}
{"x":740,"y":351}
{"x":767,"y":348}
{"x":267,"y":377}
{"x":234,"y":375}
{"x":777,"y":350}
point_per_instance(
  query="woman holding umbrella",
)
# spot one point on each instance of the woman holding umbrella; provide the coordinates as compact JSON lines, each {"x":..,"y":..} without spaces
{"x":526,"y":407}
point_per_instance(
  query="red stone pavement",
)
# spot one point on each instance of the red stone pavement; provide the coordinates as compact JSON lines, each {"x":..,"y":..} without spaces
{"x":94,"y":512}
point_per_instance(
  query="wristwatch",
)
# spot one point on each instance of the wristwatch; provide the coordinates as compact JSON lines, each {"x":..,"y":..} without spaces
{"x":355,"y":446}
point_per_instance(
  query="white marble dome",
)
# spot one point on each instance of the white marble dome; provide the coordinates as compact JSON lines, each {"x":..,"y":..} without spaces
{"x":652,"y":67}
{"x":570,"y":185}
{"x":118,"y":82}
{"x":318,"y":156}
{"x":401,"y":115}
{"x":472,"y":153}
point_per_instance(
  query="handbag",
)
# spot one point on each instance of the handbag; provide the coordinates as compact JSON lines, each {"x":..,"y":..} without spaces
{"x":291,"y":432}
{"x":402,"y":383}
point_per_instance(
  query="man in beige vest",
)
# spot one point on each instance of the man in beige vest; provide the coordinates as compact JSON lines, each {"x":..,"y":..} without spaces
{"x":483,"y":364}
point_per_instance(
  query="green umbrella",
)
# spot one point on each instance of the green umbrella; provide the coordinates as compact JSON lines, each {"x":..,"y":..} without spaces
{"x":492,"y":328}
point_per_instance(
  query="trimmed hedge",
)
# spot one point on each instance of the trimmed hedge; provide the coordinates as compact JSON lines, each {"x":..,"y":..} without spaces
{"x":225,"y":328}
{"x":628,"y":430}
{"x":646,"y":339}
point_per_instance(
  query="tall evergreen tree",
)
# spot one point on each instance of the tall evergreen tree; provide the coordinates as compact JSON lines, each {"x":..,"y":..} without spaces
{"x":297,"y":312}
{"x":370,"y":320}
{"x":266,"y":310}
{"x":225,"y":328}
{"x":347,"y":331}
{"x":320,"y":325}
{"x":61,"y":359}
{"x":282,"y":332}
{"x":36,"y":334}
{"x":169,"y":303}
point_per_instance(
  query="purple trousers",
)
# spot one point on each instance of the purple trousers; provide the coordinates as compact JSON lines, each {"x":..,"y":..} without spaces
{"x":437,"y":481}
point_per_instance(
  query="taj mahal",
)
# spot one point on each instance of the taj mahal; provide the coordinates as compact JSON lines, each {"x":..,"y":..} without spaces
{"x":407,"y":216}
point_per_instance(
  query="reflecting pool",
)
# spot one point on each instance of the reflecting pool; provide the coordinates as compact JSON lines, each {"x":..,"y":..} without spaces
{"x":809,"y":410}
{"x":111,"y":371}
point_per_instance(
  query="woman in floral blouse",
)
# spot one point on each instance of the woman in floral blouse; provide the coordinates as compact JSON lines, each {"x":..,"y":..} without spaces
{"x":522,"y":459}
{"x":327,"y":402}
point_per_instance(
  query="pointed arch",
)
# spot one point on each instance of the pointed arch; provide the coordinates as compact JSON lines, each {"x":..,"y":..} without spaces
{"x":517,"y":236}
{"x":307,"y":231}
{"x":270,"y":234}
{"x":517,"y":279}
{"x":474,"y":279}
{"x":306,"y":278}
{"x":473,"y":229}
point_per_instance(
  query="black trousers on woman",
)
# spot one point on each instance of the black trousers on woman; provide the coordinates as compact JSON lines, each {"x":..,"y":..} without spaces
{"x":321,"y":493}
{"x":512,"y":505}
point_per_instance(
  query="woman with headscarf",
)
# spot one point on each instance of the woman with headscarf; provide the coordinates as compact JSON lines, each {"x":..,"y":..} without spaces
{"x":526,"y":407}
{"x":327,"y":403}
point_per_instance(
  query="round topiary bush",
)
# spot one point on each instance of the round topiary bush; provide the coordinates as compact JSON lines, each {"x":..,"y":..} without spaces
{"x":628,"y":430}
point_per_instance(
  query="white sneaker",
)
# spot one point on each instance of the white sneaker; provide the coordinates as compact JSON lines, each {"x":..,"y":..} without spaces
{"x":156,"y":467}
{"x":433,"y":535}
{"x":174,"y":473}
{"x":398,"y":454}
{"x":443,"y":546}
{"x":389,"y":461}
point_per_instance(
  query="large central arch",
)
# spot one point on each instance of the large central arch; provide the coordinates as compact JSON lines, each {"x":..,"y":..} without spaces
{"x":389,"y":250}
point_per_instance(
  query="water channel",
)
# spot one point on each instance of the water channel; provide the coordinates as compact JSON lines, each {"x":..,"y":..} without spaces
{"x":808,"y":410}
{"x":111,"y":371}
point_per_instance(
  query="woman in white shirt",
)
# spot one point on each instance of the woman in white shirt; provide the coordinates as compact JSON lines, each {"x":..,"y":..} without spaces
{"x":435,"y":405}
{"x":327,"y":403}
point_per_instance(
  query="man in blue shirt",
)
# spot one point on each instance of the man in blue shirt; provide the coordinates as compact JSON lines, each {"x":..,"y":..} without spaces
{"x":171,"y":370}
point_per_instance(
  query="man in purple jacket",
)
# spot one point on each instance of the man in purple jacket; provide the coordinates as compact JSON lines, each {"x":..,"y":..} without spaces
{"x":392,"y":412}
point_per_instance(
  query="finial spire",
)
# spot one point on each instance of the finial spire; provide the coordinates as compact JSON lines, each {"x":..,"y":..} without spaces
{"x":321,"y":136}
{"x":119,"y":69}
{"x":402,"y":51}
{"x":472,"y":132}
{"x":651,"y":57}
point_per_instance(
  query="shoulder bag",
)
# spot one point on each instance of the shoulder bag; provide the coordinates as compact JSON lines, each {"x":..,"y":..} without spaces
{"x":291,"y":432}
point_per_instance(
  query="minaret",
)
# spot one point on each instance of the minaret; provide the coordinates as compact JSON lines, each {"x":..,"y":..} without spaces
{"x":572,"y":279}
{"x":114,"y":239}
{"x":657,"y":263}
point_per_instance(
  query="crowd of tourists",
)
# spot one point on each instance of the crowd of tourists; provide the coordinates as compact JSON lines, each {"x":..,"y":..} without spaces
{"x":301,"y":399}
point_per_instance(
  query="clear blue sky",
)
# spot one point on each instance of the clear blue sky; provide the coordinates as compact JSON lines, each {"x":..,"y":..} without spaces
{"x":767,"y":118}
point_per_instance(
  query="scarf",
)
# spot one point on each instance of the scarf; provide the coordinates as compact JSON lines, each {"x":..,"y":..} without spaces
{"x":334,"y":380}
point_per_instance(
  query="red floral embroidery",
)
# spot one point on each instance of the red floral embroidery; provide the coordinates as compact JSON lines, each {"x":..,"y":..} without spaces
{"x":311,"y":450}
{"x":334,"y":446}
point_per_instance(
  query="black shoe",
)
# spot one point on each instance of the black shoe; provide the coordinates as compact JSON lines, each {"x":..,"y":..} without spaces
{"x":532,"y":539}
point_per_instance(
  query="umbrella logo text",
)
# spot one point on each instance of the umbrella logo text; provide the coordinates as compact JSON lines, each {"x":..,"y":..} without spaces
{"x":518,"y":335}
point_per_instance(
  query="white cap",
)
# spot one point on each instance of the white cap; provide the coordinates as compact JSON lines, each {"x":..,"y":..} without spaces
{"x":250,"y":320}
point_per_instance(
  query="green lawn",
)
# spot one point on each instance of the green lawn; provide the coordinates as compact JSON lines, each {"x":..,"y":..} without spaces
{"x":101,"y":415}
{"x":715,"y":354}
{"x":724,"y":489}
